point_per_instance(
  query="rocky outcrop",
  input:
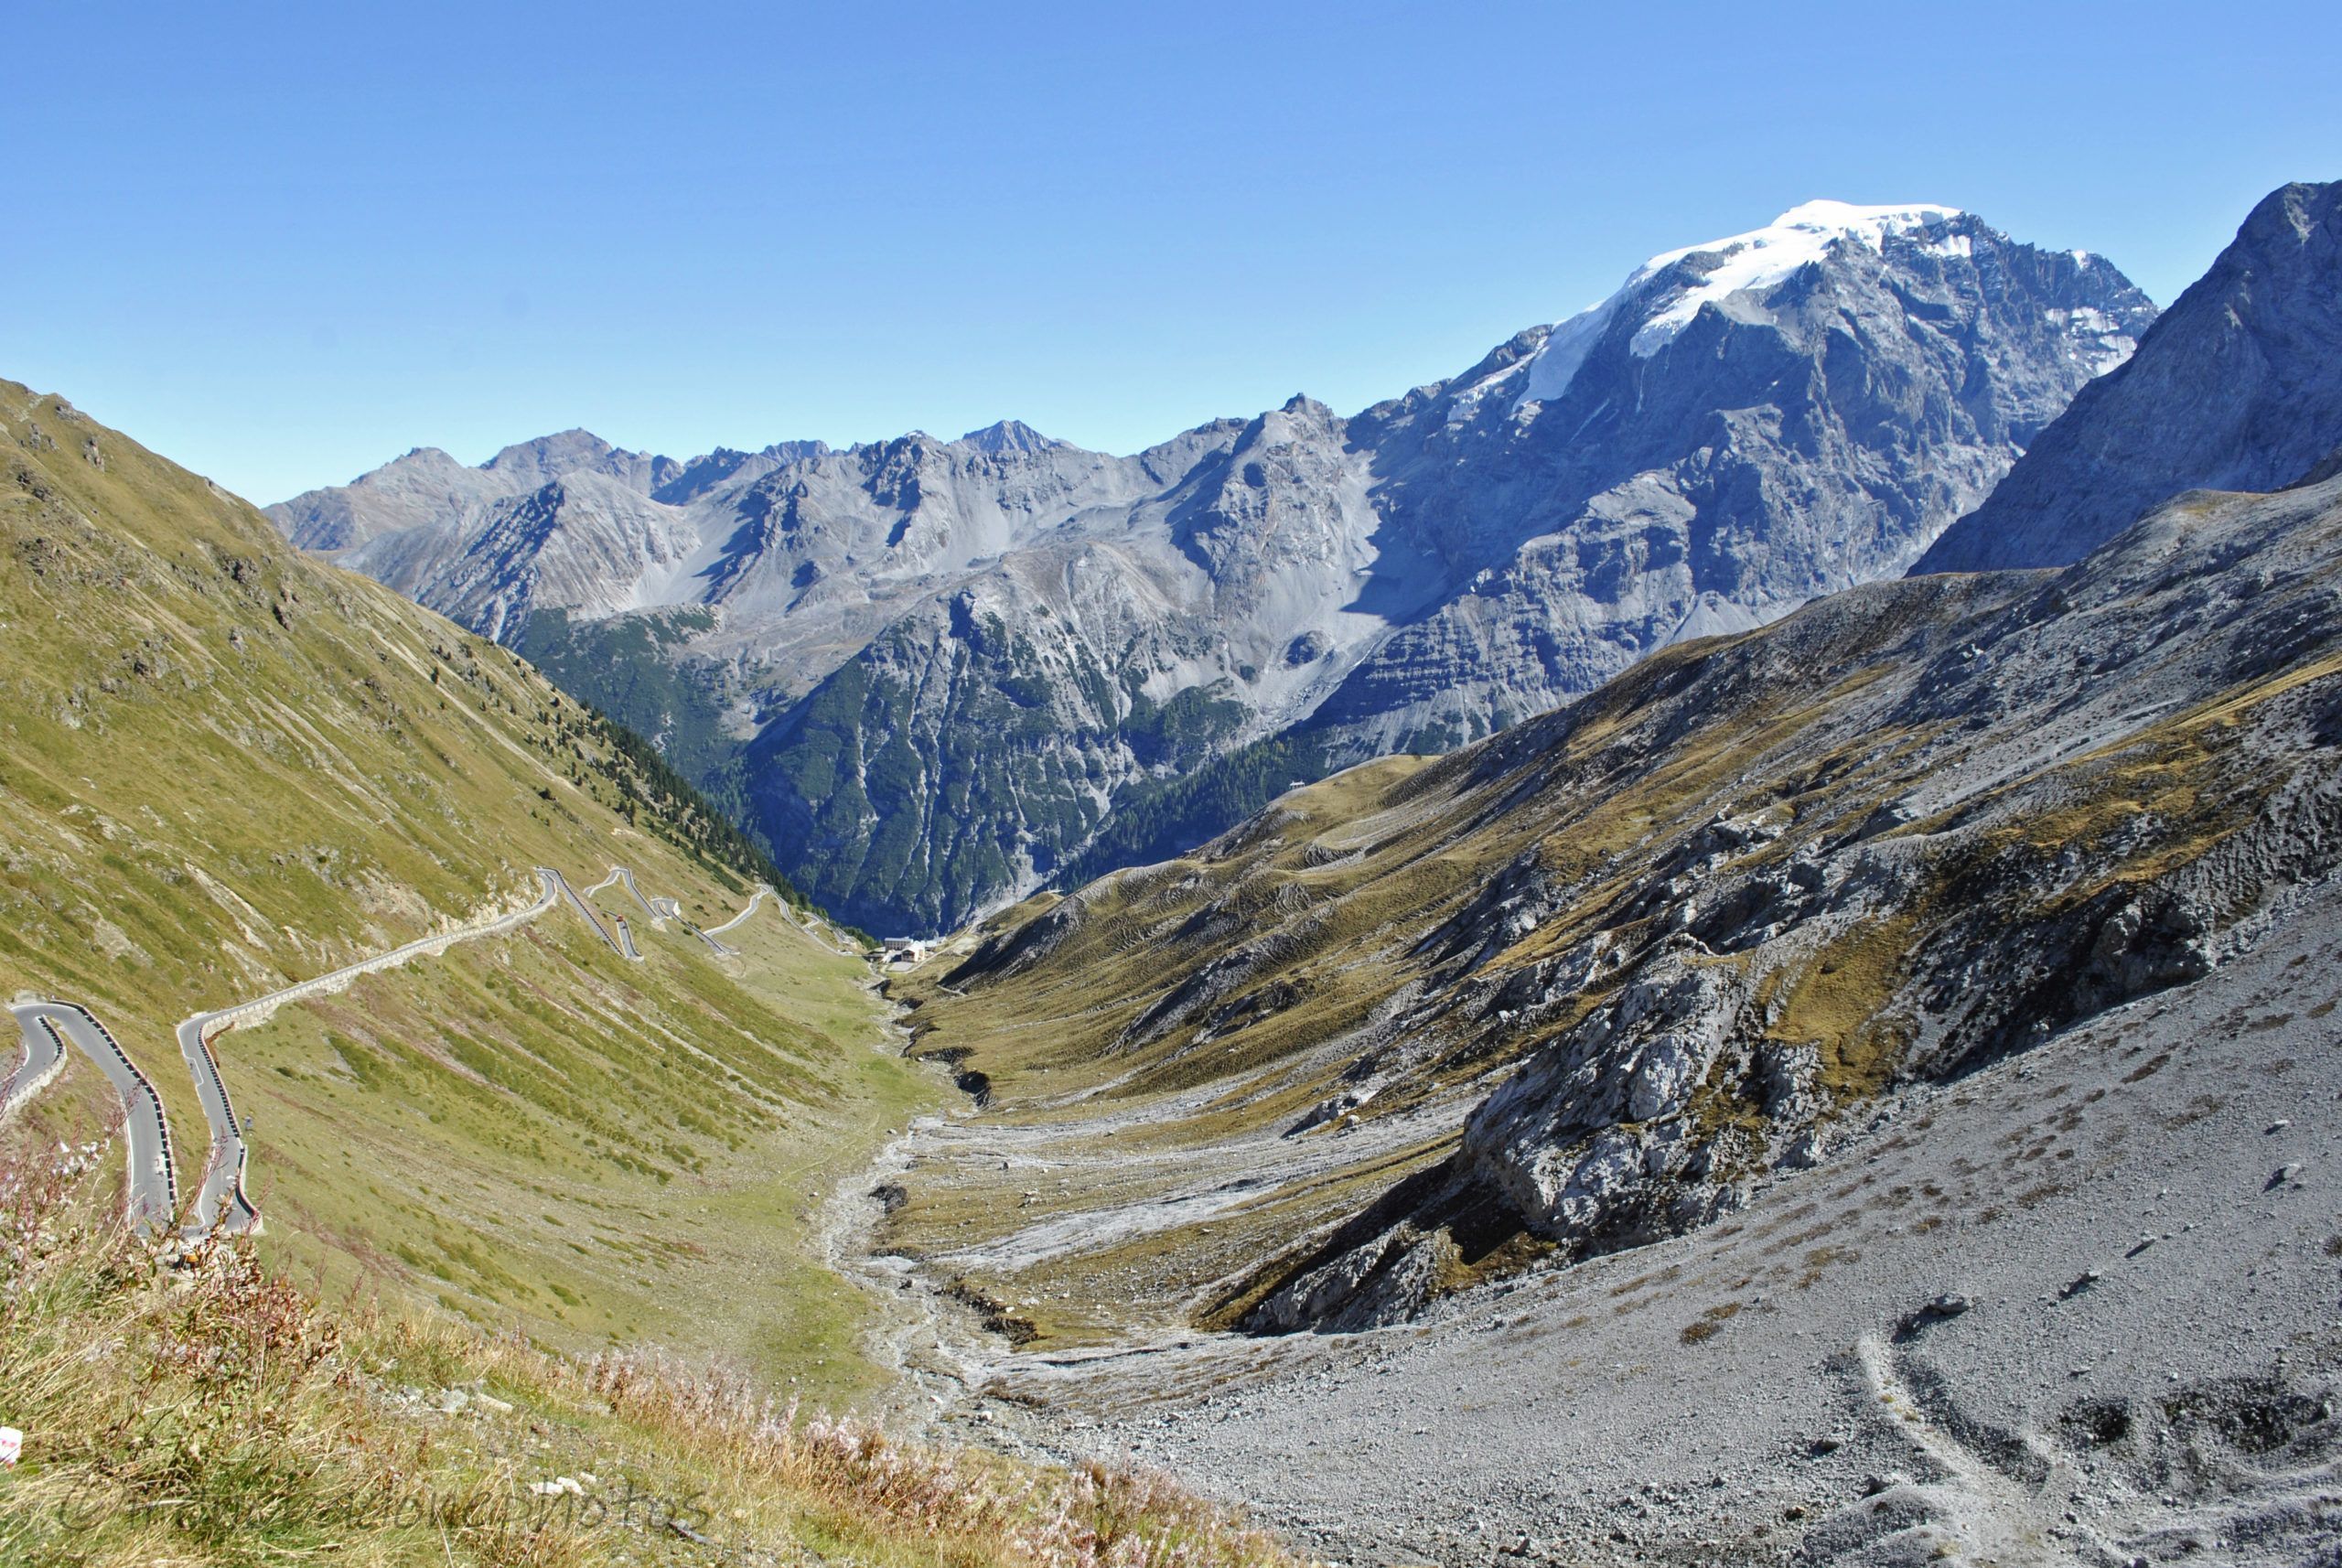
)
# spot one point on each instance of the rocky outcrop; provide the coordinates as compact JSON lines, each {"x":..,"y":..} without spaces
{"x":1751,"y":990}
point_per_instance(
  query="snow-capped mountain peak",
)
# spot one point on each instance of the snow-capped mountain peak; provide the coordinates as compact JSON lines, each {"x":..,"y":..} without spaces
{"x":1763,"y":257}
{"x":1807,"y":229}
{"x":1668,"y":295}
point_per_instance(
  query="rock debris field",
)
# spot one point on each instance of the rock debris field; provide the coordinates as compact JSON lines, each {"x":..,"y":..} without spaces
{"x":2083,"y":1306}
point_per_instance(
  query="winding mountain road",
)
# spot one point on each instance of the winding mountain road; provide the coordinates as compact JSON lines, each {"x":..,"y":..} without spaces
{"x":762,"y":893}
{"x":718,"y":948}
{"x":649,"y":907}
{"x":222,"y":1199}
{"x":43,"y":1059}
{"x":579,"y":904}
{"x":220,"y":1202}
{"x":662,"y":909}
{"x":46,"y":1027}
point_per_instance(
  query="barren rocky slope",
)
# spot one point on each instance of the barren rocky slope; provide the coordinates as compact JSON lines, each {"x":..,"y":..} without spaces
{"x":1577,"y":988}
{"x":2076,"y":1308}
{"x":936,"y":674}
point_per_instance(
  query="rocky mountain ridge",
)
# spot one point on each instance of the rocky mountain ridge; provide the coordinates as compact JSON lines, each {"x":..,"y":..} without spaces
{"x":2233,"y":388}
{"x":1582,"y":985}
{"x":938,"y":673}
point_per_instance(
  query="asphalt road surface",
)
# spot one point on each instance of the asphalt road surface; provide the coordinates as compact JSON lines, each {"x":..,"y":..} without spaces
{"x":44,"y":1058}
{"x":762,"y":893}
{"x":154,"y":1190}
{"x":555,"y":879}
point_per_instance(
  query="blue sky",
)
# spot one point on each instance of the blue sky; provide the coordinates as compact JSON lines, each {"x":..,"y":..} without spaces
{"x":282,"y":243}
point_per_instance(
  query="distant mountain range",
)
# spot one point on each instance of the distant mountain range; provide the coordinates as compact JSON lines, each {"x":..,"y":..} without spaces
{"x":934,"y":675}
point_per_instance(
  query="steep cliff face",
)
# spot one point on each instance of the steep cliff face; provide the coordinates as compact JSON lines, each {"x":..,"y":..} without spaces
{"x":586,"y":542}
{"x":2233,"y":389}
{"x":974,"y":745}
{"x":956,"y":754}
{"x":1744,"y":426}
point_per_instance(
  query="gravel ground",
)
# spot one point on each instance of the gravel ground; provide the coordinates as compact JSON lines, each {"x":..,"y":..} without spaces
{"x":2081,"y":1308}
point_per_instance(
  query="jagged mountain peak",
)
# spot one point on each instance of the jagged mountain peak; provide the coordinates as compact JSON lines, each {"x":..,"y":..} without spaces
{"x":1801,"y":234}
{"x":528,"y":463}
{"x":554,"y":454}
{"x":1833,"y":389}
{"x":1007,"y":435}
{"x":416,"y":463}
{"x":1699,"y":275}
{"x":1297,"y":415}
{"x":1821,"y":220}
{"x":681,"y":484}
{"x":2238,"y":386}
{"x":431,"y":456}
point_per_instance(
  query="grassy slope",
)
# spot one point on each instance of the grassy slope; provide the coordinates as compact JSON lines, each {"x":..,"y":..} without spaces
{"x":1347,"y":886}
{"x":212,"y":1414}
{"x":224,"y":768}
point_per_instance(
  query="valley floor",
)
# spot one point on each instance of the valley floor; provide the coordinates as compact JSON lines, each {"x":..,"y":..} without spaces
{"x":2138,"y":1220}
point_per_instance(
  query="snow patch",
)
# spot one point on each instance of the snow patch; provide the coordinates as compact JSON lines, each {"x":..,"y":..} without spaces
{"x":1764,"y":257}
{"x":1465,"y":405}
{"x":2094,"y":338}
{"x":1557,"y":361}
{"x":1757,"y":259}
